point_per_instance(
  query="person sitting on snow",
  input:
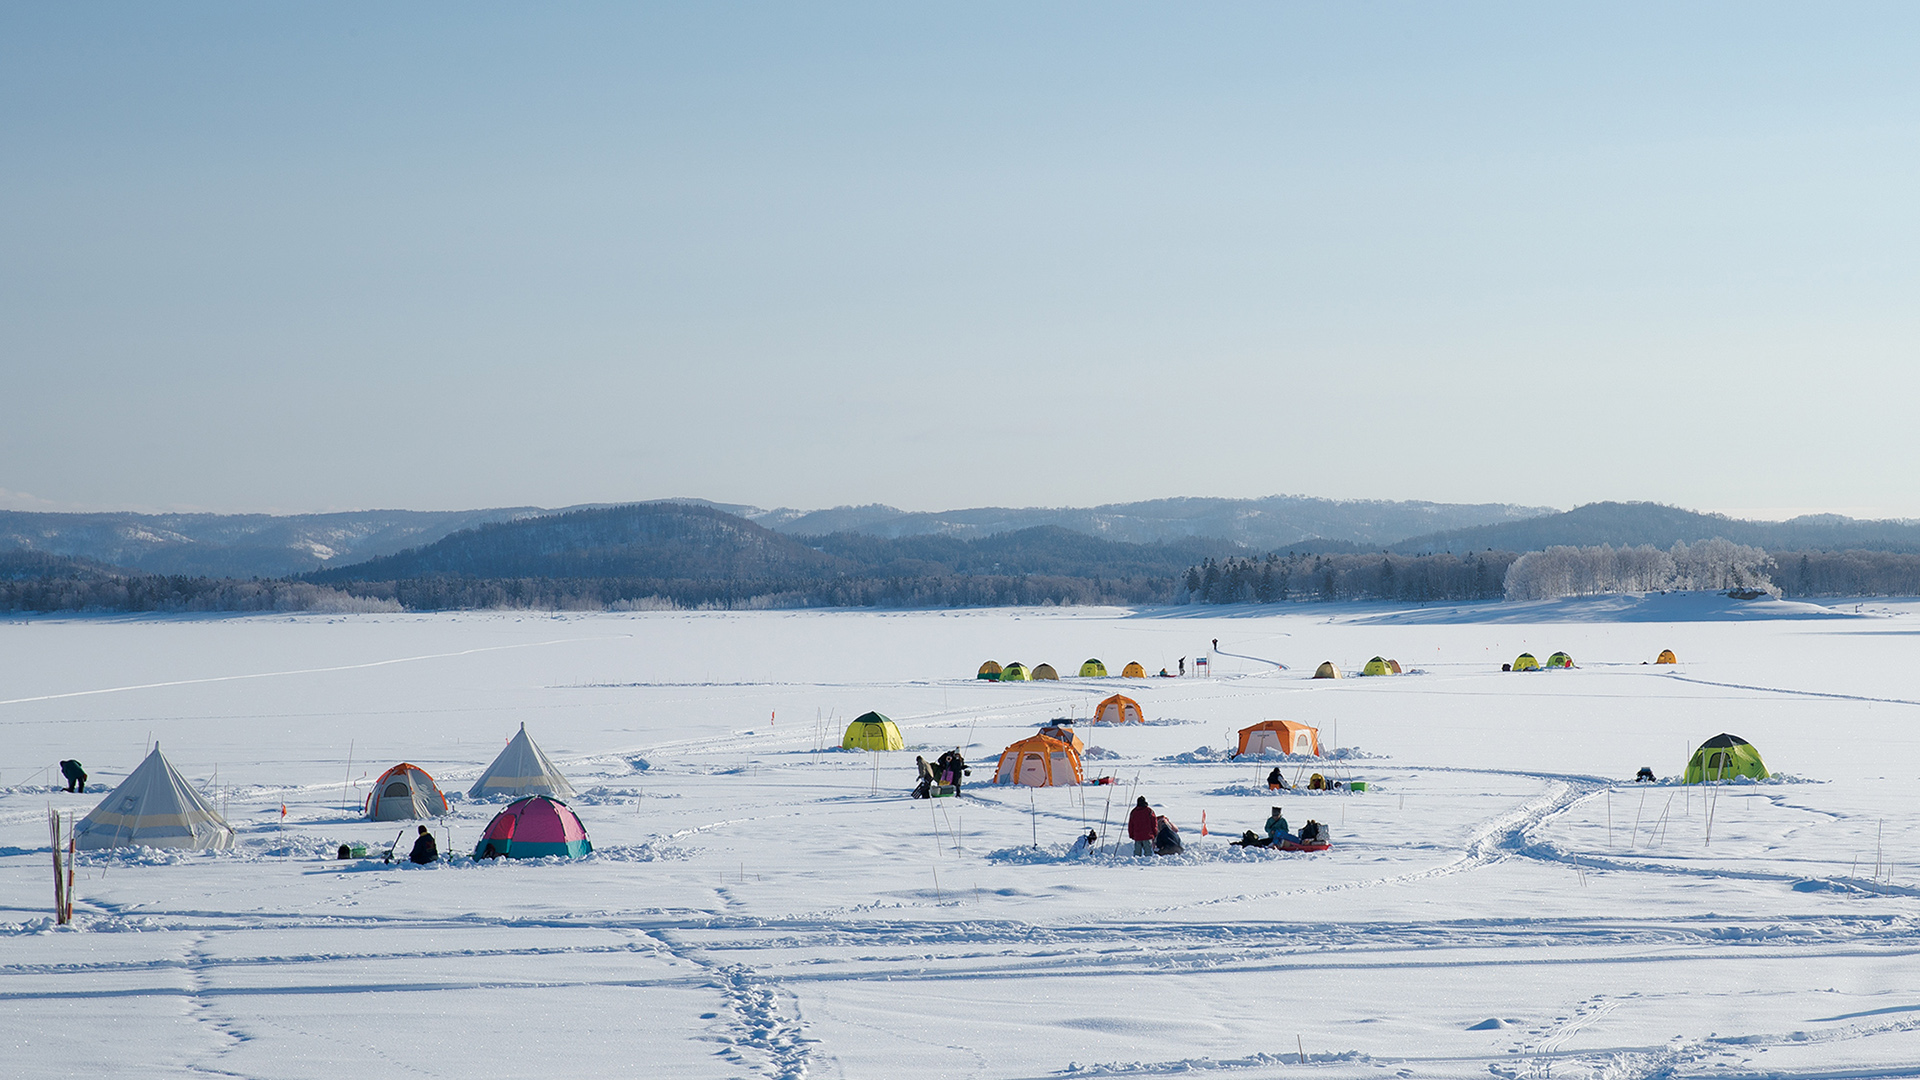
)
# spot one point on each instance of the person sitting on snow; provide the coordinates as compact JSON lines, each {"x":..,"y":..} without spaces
{"x":1083,"y":844}
{"x":1277,"y":828}
{"x":1276,"y":782}
{"x":424,"y":849}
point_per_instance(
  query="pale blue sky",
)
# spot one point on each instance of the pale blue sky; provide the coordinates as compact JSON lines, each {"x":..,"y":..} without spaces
{"x":280,"y":257}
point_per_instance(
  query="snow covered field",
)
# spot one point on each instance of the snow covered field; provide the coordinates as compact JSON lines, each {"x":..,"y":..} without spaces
{"x":1501,"y":902}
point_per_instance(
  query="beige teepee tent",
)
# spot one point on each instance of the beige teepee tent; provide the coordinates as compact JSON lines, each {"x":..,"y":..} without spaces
{"x":521,"y":769}
{"x":154,"y":807}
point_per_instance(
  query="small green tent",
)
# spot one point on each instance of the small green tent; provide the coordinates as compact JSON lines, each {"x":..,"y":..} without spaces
{"x":872,"y":731}
{"x":1724,"y":757}
{"x":1015,"y":672}
{"x":1377,"y":666}
{"x":1093,"y":669}
{"x":1526,"y":662}
{"x":1559,"y":660}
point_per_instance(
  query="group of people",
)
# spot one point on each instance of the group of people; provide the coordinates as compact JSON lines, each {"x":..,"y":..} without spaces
{"x":946,"y":771}
{"x":1277,"y":833}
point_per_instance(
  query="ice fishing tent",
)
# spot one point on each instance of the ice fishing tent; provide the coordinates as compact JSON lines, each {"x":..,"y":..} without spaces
{"x":1559,"y":660}
{"x":872,"y":731}
{"x":1377,"y":666}
{"x":405,"y":792}
{"x":1394,"y":666}
{"x":1038,"y":761}
{"x":533,"y":828}
{"x":1667,"y":657}
{"x":1045,"y":671}
{"x":1133,"y":670}
{"x":989,"y":671}
{"x":1015,"y":672}
{"x":1326,"y":670}
{"x":1286,"y":736}
{"x":521,"y":769}
{"x":154,"y":807}
{"x":1526,"y":662}
{"x":1118,"y":709}
{"x":1063,"y":731}
{"x":1093,"y":669}
{"x":1724,"y":757}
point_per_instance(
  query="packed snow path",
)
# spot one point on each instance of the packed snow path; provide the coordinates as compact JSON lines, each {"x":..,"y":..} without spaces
{"x":761,"y":904}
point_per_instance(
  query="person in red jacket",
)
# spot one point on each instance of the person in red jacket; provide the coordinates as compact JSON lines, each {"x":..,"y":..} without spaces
{"x":1142,"y":828}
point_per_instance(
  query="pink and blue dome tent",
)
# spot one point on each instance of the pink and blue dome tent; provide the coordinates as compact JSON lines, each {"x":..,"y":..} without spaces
{"x":533,"y":828}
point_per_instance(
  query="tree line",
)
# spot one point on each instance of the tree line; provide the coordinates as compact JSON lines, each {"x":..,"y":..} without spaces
{"x":1297,"y":577}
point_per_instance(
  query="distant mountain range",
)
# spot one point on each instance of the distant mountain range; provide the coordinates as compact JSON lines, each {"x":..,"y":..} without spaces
{"x":1636,"y":523}
{"x":794,"y":545}
{"x":262,"y":545}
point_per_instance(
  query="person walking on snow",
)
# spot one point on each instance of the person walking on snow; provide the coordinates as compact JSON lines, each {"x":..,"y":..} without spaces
{"x":1142,"y":827}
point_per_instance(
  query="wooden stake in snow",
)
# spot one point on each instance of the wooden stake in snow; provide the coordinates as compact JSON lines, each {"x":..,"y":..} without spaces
{"x":62,"y":876}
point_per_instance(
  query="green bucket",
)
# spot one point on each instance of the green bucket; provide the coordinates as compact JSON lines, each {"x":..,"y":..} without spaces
{"x":1358,"y":785}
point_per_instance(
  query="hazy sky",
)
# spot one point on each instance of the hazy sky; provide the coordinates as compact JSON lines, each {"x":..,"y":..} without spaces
{"x":303,"y":257}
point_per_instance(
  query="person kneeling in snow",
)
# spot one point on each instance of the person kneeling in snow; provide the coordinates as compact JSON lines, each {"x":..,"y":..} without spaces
{"x":1166,"y":837}
{"x":1083,"y":844}
{"x":1276,"y":782}
{"x":1142,"y":828}
{"x":424,"y":849}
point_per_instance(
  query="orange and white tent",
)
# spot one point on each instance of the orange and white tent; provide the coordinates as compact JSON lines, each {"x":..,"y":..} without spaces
{"x":403,"y":793}
{"x":1118,"y":709}
{"x":1286,"y":736}
{"x":1038,"y":762}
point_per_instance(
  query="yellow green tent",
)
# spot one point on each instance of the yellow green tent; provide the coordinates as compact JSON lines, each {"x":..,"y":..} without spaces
{"x":1015,"y":672}
{"x":1526,"y":662}
{"x":1724,"y":757}
{"x":872,"y":731}
{"x":1093,"y":669}
{"x":1377,"y":666}
{"x":1559,"y":660}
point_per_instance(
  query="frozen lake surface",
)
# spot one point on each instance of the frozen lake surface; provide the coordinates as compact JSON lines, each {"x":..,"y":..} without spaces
{"x":1501,"y":901}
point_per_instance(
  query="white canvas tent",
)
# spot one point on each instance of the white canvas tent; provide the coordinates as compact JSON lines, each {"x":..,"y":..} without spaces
{"x":154,"y":807}
{"x":521,"y":769}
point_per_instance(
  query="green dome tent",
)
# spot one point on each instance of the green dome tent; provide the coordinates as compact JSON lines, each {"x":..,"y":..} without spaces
{"x":1015,"y":672}
{"x":872,"y":731}
{"x":1724,"y":757}
{"x":1559,"y":660}
{"x":1377,"y":666}
{"x":1093,"y":669}
{"x":1526,"y":662}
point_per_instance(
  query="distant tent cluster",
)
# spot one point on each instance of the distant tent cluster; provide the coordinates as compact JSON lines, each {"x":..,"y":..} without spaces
{"x":1092,"y":668}
{"x":1525,"y":662}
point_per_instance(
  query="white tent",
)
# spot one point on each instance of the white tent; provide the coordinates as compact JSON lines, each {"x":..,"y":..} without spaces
{"x":154,"y":807}
{"x":521,"y":769}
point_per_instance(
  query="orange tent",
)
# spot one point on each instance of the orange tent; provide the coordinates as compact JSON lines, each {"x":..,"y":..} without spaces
{"x":1133,"y":670}
{"x":1063,"y":731}
{"x":1666,"y":657}
{"x":1039,"y":762}
{"x":1118,"y":710}
{"x":1286,"y":736}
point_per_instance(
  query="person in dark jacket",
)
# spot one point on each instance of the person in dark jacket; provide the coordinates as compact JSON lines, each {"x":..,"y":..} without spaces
{"x":424,"y":849}
{"x":1166,"y":837}
{"x":76,"y":776}
{"x":950,"y":768}
{"x":1142,"y":828}
{"x":1276,"y":782}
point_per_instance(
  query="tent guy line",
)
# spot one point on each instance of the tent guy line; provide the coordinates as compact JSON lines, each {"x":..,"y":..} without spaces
{"x":307,"y":671}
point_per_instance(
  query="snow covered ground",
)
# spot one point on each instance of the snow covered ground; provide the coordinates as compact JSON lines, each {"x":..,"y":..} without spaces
{"x":1500,"y":902}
